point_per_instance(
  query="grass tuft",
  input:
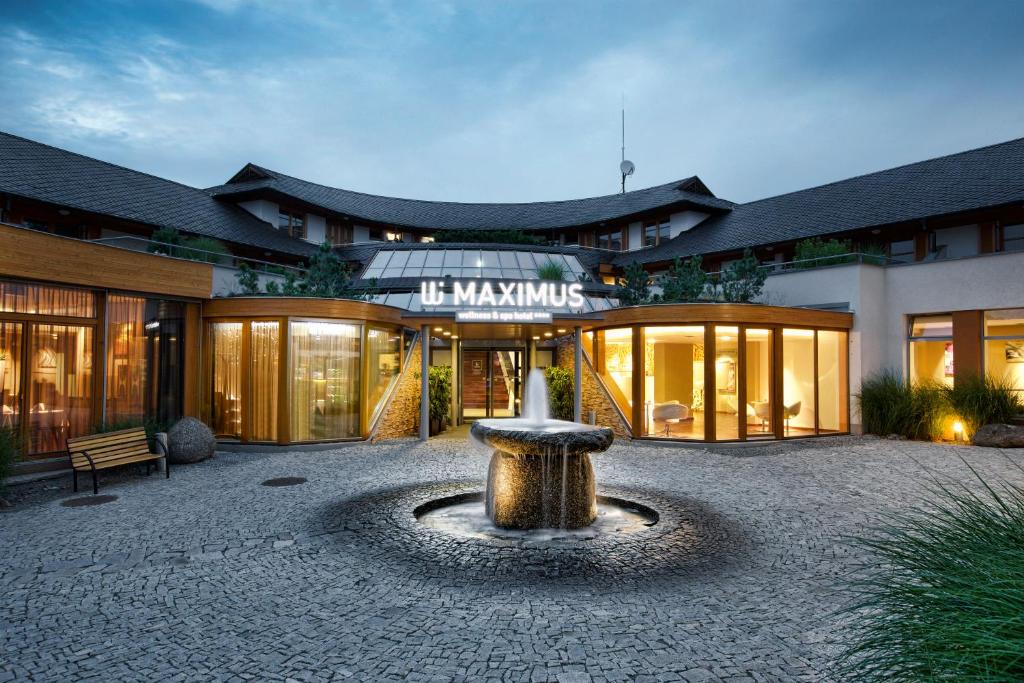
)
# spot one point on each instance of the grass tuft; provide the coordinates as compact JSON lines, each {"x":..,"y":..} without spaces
{"x":946,"y":599}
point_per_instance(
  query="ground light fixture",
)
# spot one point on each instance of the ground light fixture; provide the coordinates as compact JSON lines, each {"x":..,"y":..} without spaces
{"x":958,"y":430}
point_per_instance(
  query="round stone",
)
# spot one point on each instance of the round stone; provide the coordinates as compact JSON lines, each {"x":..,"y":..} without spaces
{"x":189,"y":440}
{"x":552,"y":491}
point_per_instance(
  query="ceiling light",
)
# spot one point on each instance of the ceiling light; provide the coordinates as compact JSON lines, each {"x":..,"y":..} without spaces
{"x":447,"y":334}
{"x":536,"y":337}
{"x":437,"y":329}
{"x":561,"y":330}
{"x":547,"y":334}
{"x":455,"y":336}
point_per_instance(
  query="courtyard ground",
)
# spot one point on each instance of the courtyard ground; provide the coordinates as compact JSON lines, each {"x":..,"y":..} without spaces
{"x":213,"y":576}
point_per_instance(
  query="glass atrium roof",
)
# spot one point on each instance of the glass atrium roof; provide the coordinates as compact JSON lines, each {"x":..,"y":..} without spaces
{"x":469,"y":263}
{"x":411,"y":301}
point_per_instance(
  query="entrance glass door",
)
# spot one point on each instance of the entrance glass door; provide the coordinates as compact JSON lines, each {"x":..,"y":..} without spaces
{"x":492,"y":382}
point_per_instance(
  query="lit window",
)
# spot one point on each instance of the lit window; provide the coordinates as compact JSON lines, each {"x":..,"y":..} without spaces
{"x":931,"y":349}
{"x":655,"y":232}
{"x":1004,"y":346}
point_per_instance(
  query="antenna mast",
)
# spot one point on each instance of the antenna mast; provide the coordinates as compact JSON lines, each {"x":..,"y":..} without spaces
{"x":625,"y":167}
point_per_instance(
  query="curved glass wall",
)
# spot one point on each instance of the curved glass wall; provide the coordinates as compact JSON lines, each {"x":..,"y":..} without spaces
{"x":287,"y":381}
{"x":726,"y":382}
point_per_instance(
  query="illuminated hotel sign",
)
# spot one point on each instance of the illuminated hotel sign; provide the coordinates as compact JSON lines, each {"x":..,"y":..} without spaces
{"x":522,"y":302}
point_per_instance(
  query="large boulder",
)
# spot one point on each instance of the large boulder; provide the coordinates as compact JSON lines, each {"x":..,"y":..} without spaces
{"x":1000,"y":436}
{"x":189,"y":440}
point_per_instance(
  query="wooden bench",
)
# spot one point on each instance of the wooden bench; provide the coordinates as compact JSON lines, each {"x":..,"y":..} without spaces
{"x":102,"y":451}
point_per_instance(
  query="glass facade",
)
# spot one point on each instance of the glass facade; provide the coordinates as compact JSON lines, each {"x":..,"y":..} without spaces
{"x":325,"y":380}
{"x":264,"y":356}
{"x":763,"y":382}
{"x":674,"y":382}
{"x":1004,"y":346}
{"x":384,"y":361}
{"x":226,"y":383}
{"x":60,"y":387}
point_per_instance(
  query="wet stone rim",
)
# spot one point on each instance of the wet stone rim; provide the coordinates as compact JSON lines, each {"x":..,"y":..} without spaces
{"x":477,"y":497}
{"x":690,"y":538}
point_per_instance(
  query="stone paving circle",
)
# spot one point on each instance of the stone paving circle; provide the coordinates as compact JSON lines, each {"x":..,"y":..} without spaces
{"x":211,"y":576}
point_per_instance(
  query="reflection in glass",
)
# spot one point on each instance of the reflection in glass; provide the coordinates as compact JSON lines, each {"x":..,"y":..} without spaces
{"x":798,"y":382}
{"x":60,"y":389}
{"x":832,"y":371}
{"x":11,"y":335}
{"x":727,"y":414}
{"x":759,"y":383}
{"x":674,"y":382}
{"x":384,"y":349}
{"x":264,"y":351}
{"x":325,"y":380}
{"x":226,"y":407}
{"x":615,"y":366}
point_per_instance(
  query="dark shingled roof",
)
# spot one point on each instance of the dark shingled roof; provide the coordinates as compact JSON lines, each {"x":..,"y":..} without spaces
{"x":253,"y":180}
{"x":985,"y":177}
{"x":48,"y":174}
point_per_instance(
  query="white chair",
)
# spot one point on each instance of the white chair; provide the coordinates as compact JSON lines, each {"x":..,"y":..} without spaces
{"x":670,"y":413}
{"x":790,"y":412}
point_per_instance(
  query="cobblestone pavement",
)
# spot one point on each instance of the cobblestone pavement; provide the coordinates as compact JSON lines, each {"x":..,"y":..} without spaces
{"x":212,"y":576}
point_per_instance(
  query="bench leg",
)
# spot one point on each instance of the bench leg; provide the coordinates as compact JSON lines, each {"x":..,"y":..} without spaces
{"x":74,"y":479}
{"x":147,"y":468}
{"x":167,"y":467}
{"x":95,"y":483}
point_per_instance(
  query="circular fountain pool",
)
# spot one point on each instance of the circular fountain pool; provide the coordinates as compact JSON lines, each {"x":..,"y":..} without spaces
{"x":464,"y":515}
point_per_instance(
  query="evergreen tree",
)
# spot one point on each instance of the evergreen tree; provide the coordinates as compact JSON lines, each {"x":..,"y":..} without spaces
{"x":248,"y":280}
{"x":683,"y":282}
{"x":635,"y":288}
{"x":743,"y":280}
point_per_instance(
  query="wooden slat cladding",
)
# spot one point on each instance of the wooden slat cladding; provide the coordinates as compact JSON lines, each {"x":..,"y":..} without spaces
{"x":40,"y":256}
{"x":302,"y":307}
{"x":684,"y":314}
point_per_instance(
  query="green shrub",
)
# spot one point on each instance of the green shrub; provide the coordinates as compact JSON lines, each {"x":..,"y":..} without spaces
{"x":890,"y":405}
{"x":560,"y":392}
{"x":248,"y":280}
{"x":874,"y":254}
{"x":818,"y":252}
{"x":205,"y":249}
{"x":636,"y":286}
{"x":683,"y":282}
{"x":944,"y":599}
{"x":551,"y":270}
{"x":168,"y":236}
{"x":742,"y":280}
{"x":11,"y":448}
{"x":439,"y":383}
{"x":483,"y":237}
{"x":980,"y":400}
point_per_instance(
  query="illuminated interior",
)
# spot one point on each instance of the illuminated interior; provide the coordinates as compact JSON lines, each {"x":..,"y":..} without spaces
{"x":931,"y":349}
{"x":1004,"y":346}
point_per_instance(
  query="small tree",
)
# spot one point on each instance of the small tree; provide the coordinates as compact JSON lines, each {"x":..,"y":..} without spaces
{"x":743,"y":280}
{"x":439,"y":386}
{"x":635,"y":288}
{"x":169,"y":238}
{"x":328,"y":276}
{"x":248,"y":280}
{"x":683,"y":282}
{"x":560,"y":392}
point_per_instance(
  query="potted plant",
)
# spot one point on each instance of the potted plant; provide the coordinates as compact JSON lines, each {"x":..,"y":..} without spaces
{"x":439,"y":383}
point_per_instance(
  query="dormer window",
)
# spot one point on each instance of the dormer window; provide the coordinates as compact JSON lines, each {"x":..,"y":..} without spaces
{"x":656,"y":232}
{"x":292,"y":222}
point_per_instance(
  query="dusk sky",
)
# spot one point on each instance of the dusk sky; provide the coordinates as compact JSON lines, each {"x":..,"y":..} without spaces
{"x":514,"y":101}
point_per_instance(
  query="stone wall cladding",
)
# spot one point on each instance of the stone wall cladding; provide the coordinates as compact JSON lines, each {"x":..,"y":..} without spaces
{"x":401,"y":415}
{"x":595,"y":397}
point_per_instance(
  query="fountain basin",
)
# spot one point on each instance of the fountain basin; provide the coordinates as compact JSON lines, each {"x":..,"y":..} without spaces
{"x":524,"y":437}
{"x":540,"y":475}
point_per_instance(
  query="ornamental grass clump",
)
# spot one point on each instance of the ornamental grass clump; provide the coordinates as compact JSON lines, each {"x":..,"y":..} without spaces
{"x":981,"y":400}
{"x":945,"y":601}
{"x":889,"y":405}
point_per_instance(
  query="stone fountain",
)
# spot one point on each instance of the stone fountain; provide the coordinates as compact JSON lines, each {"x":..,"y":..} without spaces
{"x":540,"y":474}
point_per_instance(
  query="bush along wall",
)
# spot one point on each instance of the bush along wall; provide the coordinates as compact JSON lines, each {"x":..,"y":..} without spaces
{"x":560,"y":392}
{"x":926,"y":411}
{"x":439,"y":383}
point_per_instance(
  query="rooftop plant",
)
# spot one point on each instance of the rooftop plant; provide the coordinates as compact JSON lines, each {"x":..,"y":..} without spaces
{"x":742,"y":281}
{"x":199,"y":248}
{"x":815,"y":252}
{"x":635,"y":288}
{"x":465,"y":236}
{"x":683,"y":282}
{"x":551,"y":270}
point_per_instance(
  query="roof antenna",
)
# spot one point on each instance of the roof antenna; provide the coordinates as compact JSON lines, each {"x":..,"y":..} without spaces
{"x":626,"y":167}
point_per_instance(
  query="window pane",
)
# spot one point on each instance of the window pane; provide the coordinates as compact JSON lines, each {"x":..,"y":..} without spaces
{"x":674,"y":382}
{"x":650,"y":234}
{"x":384,"y":348}
{"x":726,"y":399}
{"x":381,"y":259}
{"x":1005,"y":323}
{"x":758,"y":381}
{"x":60,"y":386}
{"x":435,"y":258}
{"x":165,"y":360}
{"x":470,"y":258}
{"x":264,"y":340}
{"x":832,"y":382}
{"x":615,"y":366}
{"x":932,"y":326}
{"x":526,"y":261}
{"x":325,"y":380}
{"x":226,"y":417}
{"x":11,"y":339}
{"x":398,"y":259}
{"x":16,"y":297}
{"x":932,"y":361}
{"x":126,"y":359}
{"x":508,"y":259}
{"x":417,"y":258}
{"x":798,"y":382}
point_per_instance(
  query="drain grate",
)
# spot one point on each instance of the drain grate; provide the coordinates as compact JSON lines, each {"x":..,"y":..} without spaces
{"x":87,"y":501}
{"x":285,"y":481}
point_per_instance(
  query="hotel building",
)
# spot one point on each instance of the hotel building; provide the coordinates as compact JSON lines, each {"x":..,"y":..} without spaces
{"x":101,"y":320}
